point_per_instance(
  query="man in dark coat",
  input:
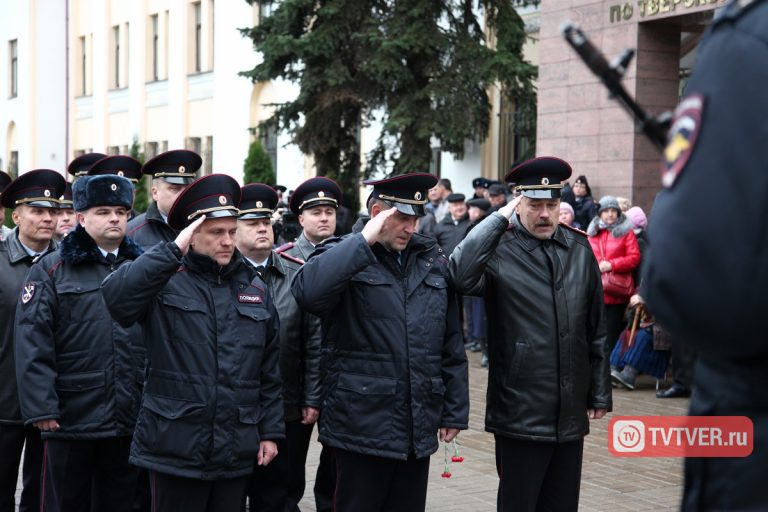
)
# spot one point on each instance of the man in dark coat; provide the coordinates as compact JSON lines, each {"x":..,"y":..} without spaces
{"x":81,"y":370}
{"x":280,"y":485}
{"x":397,"y":371}
{"x":5,"y":231}
{"x":706,"y":281}
{"x":315,"y":204}
{"x":171,"y":172}
{"x":33,"y":196}
{"x":450,"y":230}
{"x":211,"y":400}
{"x":549,"y":371}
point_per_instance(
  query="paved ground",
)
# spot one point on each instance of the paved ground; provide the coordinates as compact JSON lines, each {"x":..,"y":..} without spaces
{"x":608,"y":483}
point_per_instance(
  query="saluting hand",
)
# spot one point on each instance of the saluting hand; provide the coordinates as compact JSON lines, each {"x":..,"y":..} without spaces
{"x":185,"y":236}
{"x":377,"y":225}
{"x":267,"y":452}
{"x":509,"y":209}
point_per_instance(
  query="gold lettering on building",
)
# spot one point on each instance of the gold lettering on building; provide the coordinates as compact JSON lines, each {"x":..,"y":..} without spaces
{"x":650,"y":8}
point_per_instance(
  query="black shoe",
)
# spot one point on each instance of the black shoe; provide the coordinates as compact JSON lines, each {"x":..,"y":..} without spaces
{"x":674,"y":392}
{"x":624,"y":378}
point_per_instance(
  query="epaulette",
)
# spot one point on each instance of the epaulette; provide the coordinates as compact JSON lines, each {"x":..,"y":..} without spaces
{"x":575,"y":230}
{"x":289,"y":257}
{"x":285,"y":247}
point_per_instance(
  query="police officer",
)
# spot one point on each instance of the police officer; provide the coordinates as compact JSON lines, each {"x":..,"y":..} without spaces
{"x":705,"y":281}
{"x":119,"y":165}
{"x":33,"y":196}
{"x":211,"y":400}
{"x":80,"y":165}
{"x":548,"y":364}
{"x":280,"y":486}
{"x":315,"y":203}
{"x":66,"y":219}
{"x":397,"y":371}
{"x":171,"y":172}
{"x":80,"y":368}
{"x":480,"y":185}
{"x":5,"y":180}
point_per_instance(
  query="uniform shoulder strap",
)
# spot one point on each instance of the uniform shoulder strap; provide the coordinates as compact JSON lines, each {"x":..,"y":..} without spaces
{"x":289,"y":257}
{"x":285,"y":247}
{"x":575,"y":230}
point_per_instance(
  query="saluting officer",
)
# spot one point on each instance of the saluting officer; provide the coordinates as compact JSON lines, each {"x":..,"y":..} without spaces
{"x":33,"y":196}
{"x":171,"y":173}
{"x":397,"y":370}
{"x":66,"y":220}
{"x":211,"y":400}
{"x":706,"y":281}
{"x":280,"y":486}
{"x":81,"y":369}
{"x":315,"y":202}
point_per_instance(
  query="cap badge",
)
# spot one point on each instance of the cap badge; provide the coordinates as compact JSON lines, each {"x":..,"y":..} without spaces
{"x":321,"y":194}
{"x":113,"y":187}
{"x":182,"y":169}
{"x":120,"y":173}
{"x":259,"y":204}
{"x":545,"y":181}
{"x":222,"y":200}
{"x":47,"y":193}
{"x":417,"y":196}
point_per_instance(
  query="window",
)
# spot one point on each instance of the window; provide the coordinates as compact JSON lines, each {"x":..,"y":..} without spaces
{"x":436,"y":154}
{"x":265,"y":9}
{"x":126,"y":57}
{"x":13,"y":165}
{"x":116,"y":56}
{"x":208,"y":156}
{"x":198,"y":35}
{"x":150,"y":150}
{"x":155,"y":46}
{"x":269,"y":141}
{"x":113,"y":150}
{"x":194,"y":144}
{"x":164,"y":146}
{"x":165,"y":43}
{"x":13,"y":72}
{"x":83,"y":66}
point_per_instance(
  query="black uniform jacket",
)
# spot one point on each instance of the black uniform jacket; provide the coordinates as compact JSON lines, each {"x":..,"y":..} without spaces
{"x":213,"y":386}
{"x":546,"y":335}
{"x":76,"y":364}
{"x":14,"y":266}
{"x":397,"y":369}
{"x":300,"y":339}
{"x":449,"y":233}
{"x":149,"y":228}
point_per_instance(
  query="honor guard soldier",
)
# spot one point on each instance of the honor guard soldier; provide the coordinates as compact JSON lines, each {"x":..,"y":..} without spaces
{"x":80,"y":165}
{"x":315,"y":203}
{"x":548,"y":363}
{"x":33,"y":196}
{"x":67,"y":219}
{"x":212,"y":397}
{"x":81,"y":370}
{"x":705,"y":281}
{"x":171,"y":172}
{"x":280,"y":486}
{"x":397,"y":371}
{"x":4,"y":230}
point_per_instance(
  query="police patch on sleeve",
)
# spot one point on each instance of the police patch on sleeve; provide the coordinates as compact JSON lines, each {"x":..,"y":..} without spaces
{"x":27,"y":292}
{"x":682,"y":137}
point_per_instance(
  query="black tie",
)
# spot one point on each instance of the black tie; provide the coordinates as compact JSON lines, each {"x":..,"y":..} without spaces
{"x":111,"y":258}
{"x":260,"y":270}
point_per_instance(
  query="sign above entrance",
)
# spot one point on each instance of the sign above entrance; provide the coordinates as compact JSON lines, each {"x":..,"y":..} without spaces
{"x":656,"y":8}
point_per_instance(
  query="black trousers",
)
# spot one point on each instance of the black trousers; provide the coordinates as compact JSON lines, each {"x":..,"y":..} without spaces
{"x":683,"y":358}
{"x":376,"y":484}
{"x":538,"y":476}
{"x":175,"y":493}
{"x":279,"y":486}
{"x":614,"y":323}
{"x":12,"y":441}
{"x":84,"y":475}
{"x":325,"y":480}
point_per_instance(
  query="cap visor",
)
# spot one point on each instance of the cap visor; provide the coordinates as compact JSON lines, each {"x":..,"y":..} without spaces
{"x":547,"y":193}
{"x":409,"y":209}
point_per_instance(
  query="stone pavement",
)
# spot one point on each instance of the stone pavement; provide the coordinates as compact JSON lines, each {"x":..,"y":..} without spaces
{"x":608,"y":483}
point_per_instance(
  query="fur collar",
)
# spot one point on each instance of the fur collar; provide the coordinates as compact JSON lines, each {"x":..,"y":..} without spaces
{"x":78,"y":247}
{"x":622,"y":227}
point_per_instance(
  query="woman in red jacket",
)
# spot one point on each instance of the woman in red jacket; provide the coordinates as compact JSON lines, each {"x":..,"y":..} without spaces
{"x":616,"y":250}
